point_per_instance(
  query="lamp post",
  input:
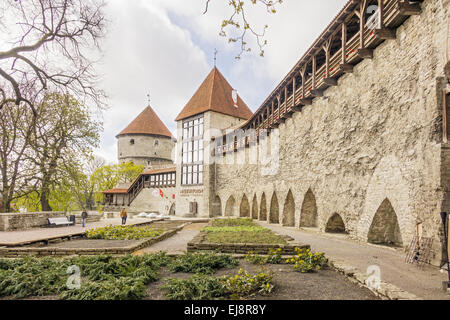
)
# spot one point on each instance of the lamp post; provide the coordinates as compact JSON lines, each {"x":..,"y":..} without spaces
{"x":444,"y":217}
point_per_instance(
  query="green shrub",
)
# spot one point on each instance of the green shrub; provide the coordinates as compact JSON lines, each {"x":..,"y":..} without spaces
{"x":255,"y":258}
{"x":123,"y":233}
{"x":32,"y":277}
{"x":274,"y":256}
{"x":197,"y":287}
{"x":206,"y":263}
{"x":203,"y":287}
{"x":307,"y":261}
{"x":124,"y":288}
{"x":126,"y":276}
{"x":245,"y":284}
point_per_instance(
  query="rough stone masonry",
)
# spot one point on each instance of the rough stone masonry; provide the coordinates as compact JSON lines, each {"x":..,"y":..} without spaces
{"x":370,"y":150}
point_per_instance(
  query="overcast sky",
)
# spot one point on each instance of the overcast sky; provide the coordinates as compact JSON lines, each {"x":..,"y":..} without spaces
{"x":166,"y":48}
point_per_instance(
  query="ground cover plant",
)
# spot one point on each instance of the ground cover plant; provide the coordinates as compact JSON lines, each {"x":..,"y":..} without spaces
{"x":123,"y":233}
{"x":307,"y":261}
{"x":204,"y":287}
{"x":205,"y":263}
{"x":239,"y":230}
{"x":102,"y":277}
{"x":273,"y":257}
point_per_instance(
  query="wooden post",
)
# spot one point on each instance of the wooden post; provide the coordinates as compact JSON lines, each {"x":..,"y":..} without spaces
{"x":362,"y":22}
{"x":279,"y":106}
{"x":314,"y":66}
{"x":285,"y":98}
{"x":293,"y":90}
{"x":272,"y":109}
{"x":380,"y":14}
{"x":344,"y":43}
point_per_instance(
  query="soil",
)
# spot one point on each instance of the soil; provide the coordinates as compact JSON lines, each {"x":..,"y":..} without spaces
{"x":289,"y":285}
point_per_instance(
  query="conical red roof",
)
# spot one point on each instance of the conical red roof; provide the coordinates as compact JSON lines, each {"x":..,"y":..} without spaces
{"x":147,"y":122}
{"x":215,"y":94}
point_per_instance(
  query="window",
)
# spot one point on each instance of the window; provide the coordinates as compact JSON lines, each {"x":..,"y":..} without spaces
{"x":192,"y":152}
{"x":132,"y":141}
{"x":156,"y":142}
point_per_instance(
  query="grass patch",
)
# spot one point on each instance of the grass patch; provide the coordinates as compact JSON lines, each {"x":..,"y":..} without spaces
{"x":232,"y":222}
{"x":240,"y":230}
{"x":123,"y":233}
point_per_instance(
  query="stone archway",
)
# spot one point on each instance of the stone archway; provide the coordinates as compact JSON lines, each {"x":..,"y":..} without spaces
{"x":263,"y":208}
{"x":289,"y":210}
{"x":230,"y":207}
{"x":255,"y":208}
{"x":217,"y":207}
{"x":335,"y":224}
{"x":274,"y":215}
{"x":244,"y":209}
{"x":308,"y":215}
{"x":385,"y":228}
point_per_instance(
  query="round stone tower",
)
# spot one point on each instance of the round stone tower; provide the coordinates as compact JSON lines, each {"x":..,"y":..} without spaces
{"x":146,"y":141}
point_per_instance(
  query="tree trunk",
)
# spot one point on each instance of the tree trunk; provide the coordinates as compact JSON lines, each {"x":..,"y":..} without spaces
{"x":45,"y":205}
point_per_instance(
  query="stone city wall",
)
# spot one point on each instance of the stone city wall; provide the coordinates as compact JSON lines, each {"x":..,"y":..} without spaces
{"x":369,"y":151}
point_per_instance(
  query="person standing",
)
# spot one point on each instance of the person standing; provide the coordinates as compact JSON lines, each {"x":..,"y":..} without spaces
{"x":123,"y":215}
{"x":84,"y":216}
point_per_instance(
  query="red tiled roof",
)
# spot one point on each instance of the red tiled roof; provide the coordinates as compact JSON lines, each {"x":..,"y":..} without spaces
{"x":147,"y":122}
{"x":116,"y":191}
{"x":214,"y":94}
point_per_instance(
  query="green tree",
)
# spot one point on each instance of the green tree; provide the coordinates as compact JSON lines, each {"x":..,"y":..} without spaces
{"x":64,"y":135}
{"x":109,"y":176}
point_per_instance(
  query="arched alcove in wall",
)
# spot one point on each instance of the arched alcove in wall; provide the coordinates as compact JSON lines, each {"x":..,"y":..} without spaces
{"x":274,"y":215}
{"x":255,"y":208}
{"x":244,"y":208}
{"x":263,"y":208}
{"x":217,"y":207}
{"x":384,"y":228}
{"x":308,"y":215}
{"x":289,"y":210}
{"x":230,"y":207}
{"x":335,"y":224}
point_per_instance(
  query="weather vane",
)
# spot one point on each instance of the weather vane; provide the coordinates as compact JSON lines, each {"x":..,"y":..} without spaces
{"x":215,"y":56}
{"x":148,"y":98}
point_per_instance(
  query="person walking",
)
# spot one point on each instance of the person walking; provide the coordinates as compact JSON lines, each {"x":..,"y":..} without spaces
{"x":84,"y":216}
{"x":123,"y":215}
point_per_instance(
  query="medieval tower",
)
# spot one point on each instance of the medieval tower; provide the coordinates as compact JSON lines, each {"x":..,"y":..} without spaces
{"x":213,"y":108}
{"x":146,"y":141}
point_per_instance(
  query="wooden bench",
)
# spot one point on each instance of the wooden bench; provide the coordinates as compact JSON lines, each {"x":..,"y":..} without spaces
{"x":63,"y":221}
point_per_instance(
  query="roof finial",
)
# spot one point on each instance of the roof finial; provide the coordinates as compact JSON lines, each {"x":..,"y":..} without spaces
{"x":148,"y":98}
{"x":215,"y":56}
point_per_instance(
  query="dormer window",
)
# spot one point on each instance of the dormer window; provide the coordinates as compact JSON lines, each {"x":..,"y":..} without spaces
{"x":131,"y":141}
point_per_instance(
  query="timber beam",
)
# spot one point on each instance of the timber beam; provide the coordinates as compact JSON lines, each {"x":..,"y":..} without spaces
{"x":365,"y":53}
{"x":385,"y":33}
{"x":305,"y":102}
{"x":409,"y":9}
{"x":330,"y":81}
{"x":317,"y":93}
{"x":346,"y":67}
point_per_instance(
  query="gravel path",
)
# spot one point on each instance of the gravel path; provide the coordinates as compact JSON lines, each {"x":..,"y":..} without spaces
{"x":176,"y":244}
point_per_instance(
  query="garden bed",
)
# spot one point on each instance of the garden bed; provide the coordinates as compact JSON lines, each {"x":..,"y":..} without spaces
{"x":241,"y":236}
{"x":197,"y":276}
{"x":100,"y":245}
